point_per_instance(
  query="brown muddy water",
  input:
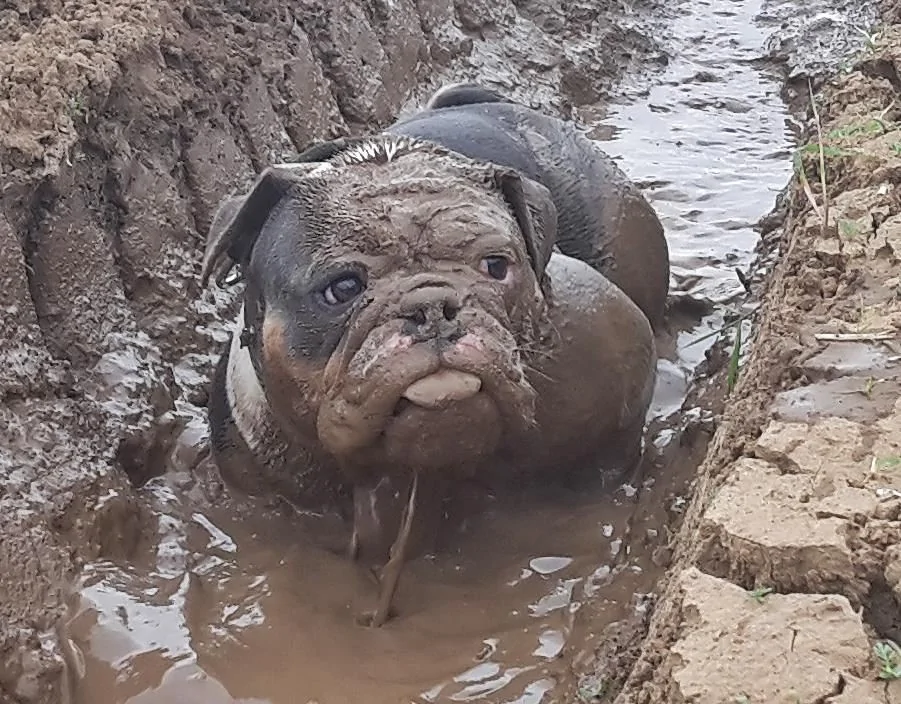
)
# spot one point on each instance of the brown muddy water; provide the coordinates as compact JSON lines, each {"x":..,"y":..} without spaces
{"x":240,"y":601}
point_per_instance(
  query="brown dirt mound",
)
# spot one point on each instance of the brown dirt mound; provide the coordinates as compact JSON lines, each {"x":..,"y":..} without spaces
{"x":787,"y":571}
{"x":124,"y":123}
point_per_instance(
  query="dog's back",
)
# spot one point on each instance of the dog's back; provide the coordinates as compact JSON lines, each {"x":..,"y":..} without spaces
{"x":479,"y":123}
{"x":602,"y":218}
{"x":463,"y":94}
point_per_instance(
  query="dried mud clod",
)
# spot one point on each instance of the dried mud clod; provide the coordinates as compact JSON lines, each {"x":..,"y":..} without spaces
{"x":124,"y":124}
{"x":786,"y":580}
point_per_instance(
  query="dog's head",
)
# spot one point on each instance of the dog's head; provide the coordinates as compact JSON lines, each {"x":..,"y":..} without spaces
{"x":394,"y":296}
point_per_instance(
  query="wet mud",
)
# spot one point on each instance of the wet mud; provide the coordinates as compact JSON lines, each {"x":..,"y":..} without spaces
{"x":784,"y":584}
{"x":129,"y":573}
{"x":124,"y":124}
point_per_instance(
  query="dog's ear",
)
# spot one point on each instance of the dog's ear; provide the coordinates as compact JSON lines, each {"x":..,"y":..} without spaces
{"x":534,"y":210}
{"x":239,"y":219}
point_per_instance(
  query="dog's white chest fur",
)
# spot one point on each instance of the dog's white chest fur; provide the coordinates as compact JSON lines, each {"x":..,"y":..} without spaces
{"x":245,"y":395}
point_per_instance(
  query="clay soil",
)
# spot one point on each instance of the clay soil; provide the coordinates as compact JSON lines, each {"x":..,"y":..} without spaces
{"x":786,"y":582}
{"x":123,"y":124}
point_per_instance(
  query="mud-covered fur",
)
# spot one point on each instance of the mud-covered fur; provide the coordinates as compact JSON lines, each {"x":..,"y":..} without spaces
{"x":603,"y":218}
{"x":411,"y":227}
{"x":380,"y":208}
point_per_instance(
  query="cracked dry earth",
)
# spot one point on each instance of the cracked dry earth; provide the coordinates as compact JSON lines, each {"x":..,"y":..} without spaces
{"x":788,"y":568}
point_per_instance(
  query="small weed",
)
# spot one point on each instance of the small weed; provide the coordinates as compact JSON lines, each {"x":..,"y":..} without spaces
{"x":593,"y":690}
{"x":868,"y":387}
{"x":742,"y":699}
{"x":77,"y":109}
{"x":760,"y":594}
{"x":829,"y":151}
{"x":888,"y":464}
{"x":824,"y":146}
{"x":870,"y":39}
{"x":888,"y":656}
{"x":822,"y":210}
{"x":849,"y":229}
{"x":896,"y":148}
{"x":871,"y":128}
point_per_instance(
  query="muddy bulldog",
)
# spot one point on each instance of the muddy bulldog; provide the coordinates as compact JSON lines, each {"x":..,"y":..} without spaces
{"x":468,"y":296}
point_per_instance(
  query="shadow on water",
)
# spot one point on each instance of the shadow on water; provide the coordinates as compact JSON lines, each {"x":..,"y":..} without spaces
{"x":234,"y":602}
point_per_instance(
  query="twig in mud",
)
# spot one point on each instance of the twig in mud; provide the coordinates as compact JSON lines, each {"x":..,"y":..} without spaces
{"x":871,"y":39}
{"x":390,"y":573}
{"x":881,"y":119}
{"x":805,"y":186}
{"x":855,"y":336}
{"x":883,"y":113}
{"x":824,"y":217}
{"x":732,"y":377}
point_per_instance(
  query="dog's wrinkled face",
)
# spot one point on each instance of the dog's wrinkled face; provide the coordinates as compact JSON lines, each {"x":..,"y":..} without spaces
{"x":396,"y":302}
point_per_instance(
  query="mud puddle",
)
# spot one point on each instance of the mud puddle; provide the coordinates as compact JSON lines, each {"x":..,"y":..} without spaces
{"x":238,"y":601}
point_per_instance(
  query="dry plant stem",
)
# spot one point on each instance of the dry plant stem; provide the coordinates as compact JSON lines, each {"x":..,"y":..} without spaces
{"x":811,"y":198}
{"x":856,"y":336}
{"x":390,"y":574}
{"x":824,"y":219}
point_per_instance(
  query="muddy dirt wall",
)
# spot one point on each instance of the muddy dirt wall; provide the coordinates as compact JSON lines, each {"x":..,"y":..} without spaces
{"x":786,"y":586}
{"x":123,"y":124}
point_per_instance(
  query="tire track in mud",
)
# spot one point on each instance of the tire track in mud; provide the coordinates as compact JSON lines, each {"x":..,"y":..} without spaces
{"x":124,"y":124}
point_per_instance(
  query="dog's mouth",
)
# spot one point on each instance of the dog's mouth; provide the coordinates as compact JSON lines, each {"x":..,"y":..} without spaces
{"x":438,"y":390}
{"x":426,"y":407}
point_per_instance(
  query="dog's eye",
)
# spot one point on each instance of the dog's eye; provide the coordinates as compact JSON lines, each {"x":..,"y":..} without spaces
{"x":343,"y":289}
{"x":496,"y":267}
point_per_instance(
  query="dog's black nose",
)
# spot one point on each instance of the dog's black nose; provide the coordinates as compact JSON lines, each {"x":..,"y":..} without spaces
{"x":430,"y":312}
